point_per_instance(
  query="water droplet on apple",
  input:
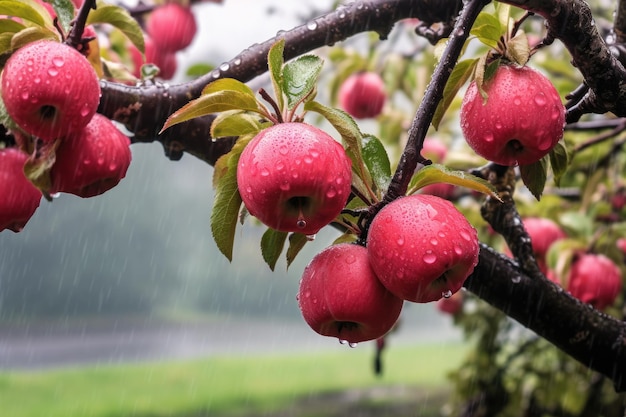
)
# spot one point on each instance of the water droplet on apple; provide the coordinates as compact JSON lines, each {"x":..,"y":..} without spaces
{"x":446,"y":294}
{"x":284,"y":185}
{"x":265,"y":172}
{"x":350,"y":259}
{"x":280,"y":166}
{"x":430,"y":258}
{"x":37,"y":80}
{"x":400,"y":241}
{"x":517,"y":101}
{"x":352,"y":345}
{"x":540,"y":99}
{"x":434,"y":242}
{"x":458,"y":250}
{"x":308,"y":160}
{"x":53,"y":72}
{"x":343,"y":342}
{"x":488,"y":137}
{"x":465,"y":235}
{"x":58,"y":61}
{"x":84,"y":111}
{"x":25,"y":95}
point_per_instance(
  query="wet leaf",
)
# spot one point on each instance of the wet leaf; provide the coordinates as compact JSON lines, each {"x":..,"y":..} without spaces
{"x":275,"y":64}
{"x":215,"y":102}
{"x":272,"y":244}
{"x":534,"y":176}
{"x":235,"y":123}
{"x":118,"y":17}
{"x":26,"y":9}
{"x":296,"y":243}
{"x":559,"y":161}
{"x":517,"y":49}
{"x":227,"y":200}
{"x":488,"y":29}
{"x":462,"y":72}
{"x":65,"y":12}
{"x":437,"y":173}
{"x":300,"y":78}
{"x":377,"y":162}
{"x":31,"y":34}
{"x":227,"y":84}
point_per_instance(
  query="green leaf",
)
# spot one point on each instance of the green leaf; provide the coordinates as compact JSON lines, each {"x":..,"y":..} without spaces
{"x":534,"y":176}
{"x":32,"y":34}
{"x":227,"y":200}
{"x":120,"y":18}
{"x":275,"y":64}
{"x":377,"y":162}
{"x":26,"y":9}
{"x":65,"y":12}
{"x":198,"y":70}
{"x":487,"y":29}
{"x":559,"y":161}
{"x":215,"y":102}
{"x":461,"y":73}
{"x":235,"y":123}
{"x":10,"y":26}
{"x":272,"y":244}
{"x":437,"y":173}
{"x":227,"y":84}
{"x":296,"y":243}
{"x":300,"y":78}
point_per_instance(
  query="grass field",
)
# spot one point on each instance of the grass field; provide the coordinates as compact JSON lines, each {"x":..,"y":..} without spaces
{"x":219,"y":386}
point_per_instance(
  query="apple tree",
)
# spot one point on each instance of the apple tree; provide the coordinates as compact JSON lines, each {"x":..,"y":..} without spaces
{"x":492,"y":182}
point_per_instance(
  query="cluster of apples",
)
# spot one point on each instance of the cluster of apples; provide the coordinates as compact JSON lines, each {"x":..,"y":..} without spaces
{"x":593,"y":278}
{"x":51,"y":93}
{"x":169,"y":28}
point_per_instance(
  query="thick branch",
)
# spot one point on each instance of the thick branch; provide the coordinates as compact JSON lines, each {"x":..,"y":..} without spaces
{"x":589,"y":336}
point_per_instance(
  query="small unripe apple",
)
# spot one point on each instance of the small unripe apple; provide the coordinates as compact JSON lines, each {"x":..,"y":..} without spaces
{"x":363,"y":95}
{"x":92,"y":161}
{"x":294,"y":177}
{"x":49,"y":89}
{"x":595,"y":279}
{"x":422,"y":248}
{"x":521,"y":121}
{"x":172,"y":27}
{"x":340,"y":296}
{"x":20,"y":198}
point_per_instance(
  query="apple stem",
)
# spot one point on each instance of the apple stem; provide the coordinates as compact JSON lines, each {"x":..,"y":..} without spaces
{"x":278,"y":114}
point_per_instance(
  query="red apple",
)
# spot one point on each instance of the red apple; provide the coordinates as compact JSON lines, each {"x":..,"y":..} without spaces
{"x":20,"y":198}
{"x":543,"y":233}
{"x":92,"y":161}
{"x":49,"y":89}
{"x":363,"y":95}
{"x":172,"y":27}
{"x":166,"y":61}
{"x":435,"y":150}
{"x":422,"y":248}
{"x":294,"y":177}
{"x":595,"y":279}
{"x":521,"y":121}
{"x":341,"y":297}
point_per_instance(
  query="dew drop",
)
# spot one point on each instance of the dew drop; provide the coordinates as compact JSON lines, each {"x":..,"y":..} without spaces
{"x":25,"y":95}
{"x":84,"y":112}
{"x":285,"y":186}
{"x":458,"y":250}
{"x":265,"y":172}
{"x":311,"y":237}
{"x":37,"y":80}
{"x":283,"y":150}
{"x":301,"y":223}
{"x":224,"y":67}
{"x":400,"y":241}
{"x":488,"y":137}
{"x":446,"y":294}
{"x":350,"y":259}
{"x":343,"y":342}
{"x":430,"y":258}
{"x":58,"y":61}
{"x":516,"y":279}
{"x":112,"y":166}
{"x":311,"y":26}
{"x":352,"y":345}
{"x":540,"y":99}
{"x":465,"y":235}
{"x":237,"y":61}
{"x":280,"y":166}
{"x":331,"y":192}
{"x":53,"y":72}
{"x":517,"y":101}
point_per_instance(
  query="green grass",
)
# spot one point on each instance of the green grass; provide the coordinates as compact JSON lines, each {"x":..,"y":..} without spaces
{"x":218,"y":385}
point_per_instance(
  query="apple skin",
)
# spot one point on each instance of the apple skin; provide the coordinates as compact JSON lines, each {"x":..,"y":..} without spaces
{"x":522,"y":120}
{"x":92,"y":161}
{"x":434,"y":149}
{"x":340,"y":296}
{"x":362,"y":95}
{"x":421,"y":247}
{"x":595,"y":279}
{"x":49,"y":89}
{"x":172,"y":27}
{"x":294,"y":177}
{"x":543,"y":233}
{"x":20,"y":198}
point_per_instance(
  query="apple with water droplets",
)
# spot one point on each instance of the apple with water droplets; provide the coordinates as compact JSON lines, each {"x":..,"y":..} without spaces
{"x":341,"y":297}
{"x":595,"y":279}
{"x":92,"y":161}
{"x":172,"y":27}
{"x":422,"y":248}
{"x":49,"y":89}
{"x":520,"y":121}
{"x":294,"y":177}
{"x":20,"y":198}
{"x":362,"y":95}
